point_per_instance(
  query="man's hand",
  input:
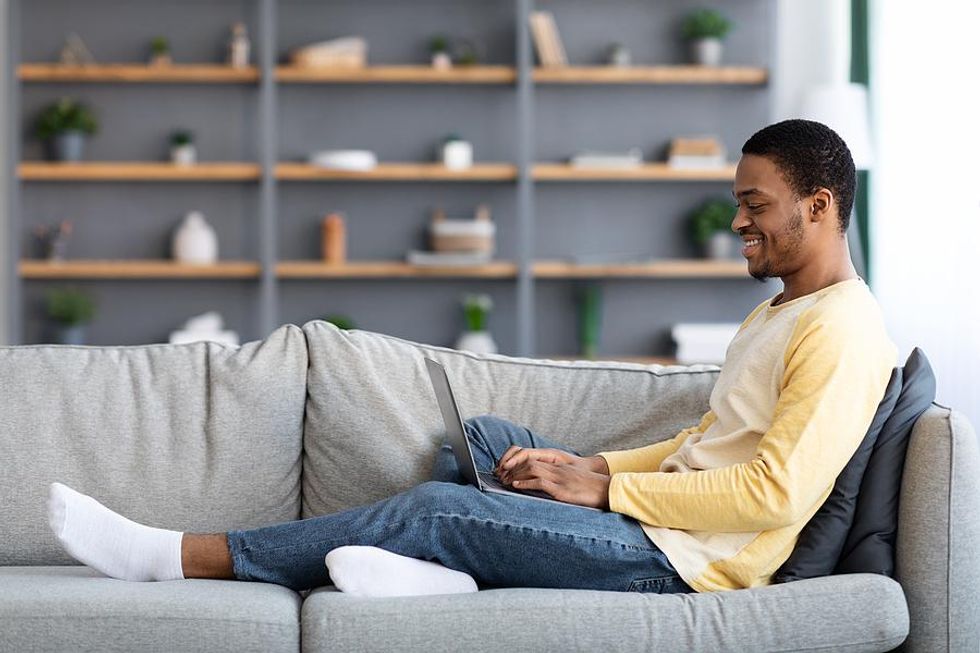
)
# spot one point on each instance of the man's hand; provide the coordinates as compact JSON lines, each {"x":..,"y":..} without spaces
{"x":516,"y":455}
{"x":569,"y":482}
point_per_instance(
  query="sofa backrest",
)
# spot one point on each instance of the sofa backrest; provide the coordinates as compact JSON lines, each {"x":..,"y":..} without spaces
{"x":194,"y":437}
{"x":372,"y":425}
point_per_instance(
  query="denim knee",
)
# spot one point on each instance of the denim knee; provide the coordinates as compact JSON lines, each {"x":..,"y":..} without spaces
{"x":438,"y":497}
{"x":486,"y":423}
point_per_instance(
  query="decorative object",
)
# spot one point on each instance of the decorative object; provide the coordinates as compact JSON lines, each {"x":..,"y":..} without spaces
{"x":632,"y":158}
{"x":54,"y":240}
{"x":182,"y":149}
{"x":701,"y":152}
{"x":239,"y":46}
{"x":473,"y":236}
{"x":704,"y":30}
{"x":465,"y":52}
{"x":160,"y":51}
{"x":195,"y":241}
{"x":208,"y":327}
{"x":476,"y":338}
{"x":619,"y":55}
{"x":333,"y":236}
{"x":75,"y":52}
{"x":341,"y":321}
{"x":703,"y":343}
{"x":63,"y":127}
{"x":439,"y":49}
{"x":69,"y":310}
{"x":711,"y":226}
{"x":356,"y":160}
{"x":344,"y":52}
{"x":457,"y":154}
{"x":590,"y":319}
{"x":547,"y":41}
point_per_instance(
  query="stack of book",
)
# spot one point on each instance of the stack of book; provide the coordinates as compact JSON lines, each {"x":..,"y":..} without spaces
{"x":703,"y":343}
{"x":696,"y":153}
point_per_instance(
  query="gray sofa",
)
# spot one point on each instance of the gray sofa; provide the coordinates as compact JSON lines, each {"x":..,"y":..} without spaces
{"x":202,"y":437}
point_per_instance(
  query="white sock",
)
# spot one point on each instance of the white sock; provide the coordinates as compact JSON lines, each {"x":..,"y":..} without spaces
{"x":110,"y":543}
{"x":372,"y":571}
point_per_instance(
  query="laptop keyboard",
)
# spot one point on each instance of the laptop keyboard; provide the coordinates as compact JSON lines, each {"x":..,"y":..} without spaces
{"x":492,"y":481}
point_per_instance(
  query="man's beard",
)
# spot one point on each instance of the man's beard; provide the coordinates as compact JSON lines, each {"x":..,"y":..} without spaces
{"x":792,"y":236}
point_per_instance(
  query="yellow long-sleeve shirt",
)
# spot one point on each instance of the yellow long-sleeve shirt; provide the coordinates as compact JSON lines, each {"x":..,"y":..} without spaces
{"x":726,"y":500}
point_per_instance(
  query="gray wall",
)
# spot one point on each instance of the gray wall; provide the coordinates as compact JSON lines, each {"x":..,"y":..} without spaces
{"x":400,"y":122}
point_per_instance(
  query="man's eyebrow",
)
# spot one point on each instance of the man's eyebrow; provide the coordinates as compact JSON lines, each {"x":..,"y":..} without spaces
{"x":750,"y":191}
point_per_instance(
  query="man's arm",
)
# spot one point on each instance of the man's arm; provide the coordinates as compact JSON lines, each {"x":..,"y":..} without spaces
{"x":648,"y":458}
{"x":835,"y":375}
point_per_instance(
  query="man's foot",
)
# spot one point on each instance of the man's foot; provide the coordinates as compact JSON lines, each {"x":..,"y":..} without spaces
{"x":372,"y":571}
{"x":110,"y":543}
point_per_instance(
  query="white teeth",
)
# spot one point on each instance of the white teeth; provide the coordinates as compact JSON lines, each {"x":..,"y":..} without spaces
{"x":754,"y":241}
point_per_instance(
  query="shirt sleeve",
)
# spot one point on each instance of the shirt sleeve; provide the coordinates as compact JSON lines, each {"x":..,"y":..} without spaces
{"x":648,"y":458}
{"x":836,"y":371}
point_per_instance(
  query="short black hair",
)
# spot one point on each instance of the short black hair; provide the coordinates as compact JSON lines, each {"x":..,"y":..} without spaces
{"x":810,"y":155}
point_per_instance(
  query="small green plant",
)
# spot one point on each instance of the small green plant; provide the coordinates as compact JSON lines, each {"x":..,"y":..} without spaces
{"x":706,"y":24}
{"x":65,"y":115}
{"x":590,"y":319}
{"x":181,"y":137}
{"x":159,"y":46}
{"x":69,"y":306}
{"x":712,"y":216}
{"x":476,"y":310}
{"x":439,"y":43}
{"x":466,"y":53}
{"x":340,"y":321}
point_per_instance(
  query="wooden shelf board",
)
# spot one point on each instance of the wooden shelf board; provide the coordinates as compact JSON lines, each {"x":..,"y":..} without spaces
{"x":136,"y":269}
{"x":663,"y":268}
{"x":399,"y":172}
{"x":650,"y":75}
{"x":137,"y":171}
{"x":389,"y":269}
{"x":644,"y":172}
{"x":642,"y":360}
{"x":135,"y":72}
{"x":400,"y":74}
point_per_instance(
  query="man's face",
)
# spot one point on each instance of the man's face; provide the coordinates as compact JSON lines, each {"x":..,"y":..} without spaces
{"x":770,"y":217}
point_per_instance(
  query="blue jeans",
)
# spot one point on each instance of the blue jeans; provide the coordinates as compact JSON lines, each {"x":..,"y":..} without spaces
{"x":500,"y":540}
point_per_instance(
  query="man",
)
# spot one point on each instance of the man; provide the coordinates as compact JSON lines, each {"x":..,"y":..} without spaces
{"x":717,"y":507}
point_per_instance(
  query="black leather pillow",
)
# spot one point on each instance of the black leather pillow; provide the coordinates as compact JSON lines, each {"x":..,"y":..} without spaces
{"x":822,"y":539}
{"x":870,"y":544}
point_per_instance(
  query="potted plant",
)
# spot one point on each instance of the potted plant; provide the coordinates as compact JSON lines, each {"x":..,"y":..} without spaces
{"x":182,"y":150}
{"x":340,"y":321}
{"x":63,"y":126}
{"x":476,"y":337}
{"x":704,"y":29}
{"x":160,"y":51}
{"x":466,"y":53}
{"x":69,"y":311}
{"x":711,"y":226}
{"x":590,"y":319}
{"x":439,"y":48}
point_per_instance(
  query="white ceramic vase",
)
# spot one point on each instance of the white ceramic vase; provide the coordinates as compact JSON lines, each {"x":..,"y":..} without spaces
{"x":478,"y":342}
{"x":723,"y":245}
{"x":183,"y":155}
{"x":706,"y":52}
{"x":195,"y":240}
{"x":457,"y":155}
{"x":441,"y":61}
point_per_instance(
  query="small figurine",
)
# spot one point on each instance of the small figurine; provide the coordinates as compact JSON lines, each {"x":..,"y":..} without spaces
{"x":238,"y":46}
{"x":619,"y":55}
{"x":75,"y":52}
{"x":54,"y":241}
{"x":334,"y":239}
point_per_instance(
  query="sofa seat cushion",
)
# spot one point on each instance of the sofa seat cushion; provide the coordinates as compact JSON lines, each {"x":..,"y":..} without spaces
{"x":78,"y":609}
{"x":856,"y":612}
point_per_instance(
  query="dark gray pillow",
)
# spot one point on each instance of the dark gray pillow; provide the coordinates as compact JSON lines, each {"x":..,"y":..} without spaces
{"x":822,"y":539}
{"x":870,"y":544}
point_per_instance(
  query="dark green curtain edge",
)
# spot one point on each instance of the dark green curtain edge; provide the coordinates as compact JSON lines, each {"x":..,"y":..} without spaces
{"x":860,"y":74}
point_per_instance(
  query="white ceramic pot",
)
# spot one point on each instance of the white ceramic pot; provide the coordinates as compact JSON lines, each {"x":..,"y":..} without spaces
{"x":478,"y":342}
{"x":706,"y":52}
{"x":441,"y":60}
{"x":195,"y":240}
{"x":723,"y":245}
{"x":457,"y":155}
{"x":183,"y":155}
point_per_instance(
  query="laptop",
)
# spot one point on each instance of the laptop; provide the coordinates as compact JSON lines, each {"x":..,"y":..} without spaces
{"x":456,"y":435}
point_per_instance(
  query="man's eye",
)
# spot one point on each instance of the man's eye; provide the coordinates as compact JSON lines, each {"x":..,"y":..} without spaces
{"x":754,"y":207}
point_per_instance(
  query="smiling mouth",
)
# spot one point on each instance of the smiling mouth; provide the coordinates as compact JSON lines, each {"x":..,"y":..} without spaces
{"x":752,"y":245}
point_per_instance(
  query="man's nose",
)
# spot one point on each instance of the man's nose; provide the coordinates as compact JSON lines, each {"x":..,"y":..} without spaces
{"x":740,"y":221}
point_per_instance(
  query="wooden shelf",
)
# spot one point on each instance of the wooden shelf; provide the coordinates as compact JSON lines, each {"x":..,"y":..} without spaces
{"x":136,"y":269}
{"x":390,"y":269}
{"x":137,"y":171}
{"x":678,"y":268}
{"x":137,"y":73}
{"x":400,"y":74}
{"x":642,"y":360}
{"x":650,"y":75}
{"x":644,"y":172}
{"x":399,"y":172}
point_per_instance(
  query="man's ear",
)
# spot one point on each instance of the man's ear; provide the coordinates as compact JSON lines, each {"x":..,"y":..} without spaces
{"x":821,"y":203}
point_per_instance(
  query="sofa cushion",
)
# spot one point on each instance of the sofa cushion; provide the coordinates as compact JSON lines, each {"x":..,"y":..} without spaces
{"x":821,"y":540}
{"x":870,"y":544}
{"x":192,"y":437}
{"x":860,"y":612}
{"x":78,"y":609}
{"x":373,"y":427}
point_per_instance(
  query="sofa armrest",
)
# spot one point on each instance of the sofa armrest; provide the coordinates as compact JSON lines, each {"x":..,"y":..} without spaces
{"x":938,"y":529}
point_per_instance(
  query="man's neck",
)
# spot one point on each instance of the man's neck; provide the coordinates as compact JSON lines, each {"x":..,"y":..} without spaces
{"x":795,"y":285}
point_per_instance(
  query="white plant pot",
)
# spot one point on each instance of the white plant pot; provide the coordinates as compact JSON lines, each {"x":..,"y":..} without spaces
{"x":706,"y":52}
{"x":441,"y":61}
{"x":183,"y":155}
{"x":195,"y":240}
{"x":478,"y":342}
{"x":723,"y":245}
{"x":457,"y":155}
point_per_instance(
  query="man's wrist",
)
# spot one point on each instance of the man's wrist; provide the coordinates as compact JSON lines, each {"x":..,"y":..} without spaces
{"x":599,"y":465}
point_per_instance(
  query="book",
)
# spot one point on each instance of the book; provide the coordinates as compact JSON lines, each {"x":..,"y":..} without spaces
{"x":547,"y":41}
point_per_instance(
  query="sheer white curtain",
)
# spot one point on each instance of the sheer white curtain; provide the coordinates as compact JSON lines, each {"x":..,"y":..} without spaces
{"x":925,"y":203}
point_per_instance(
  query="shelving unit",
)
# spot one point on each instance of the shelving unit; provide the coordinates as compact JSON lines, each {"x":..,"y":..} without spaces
{"x":522,"y":118}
